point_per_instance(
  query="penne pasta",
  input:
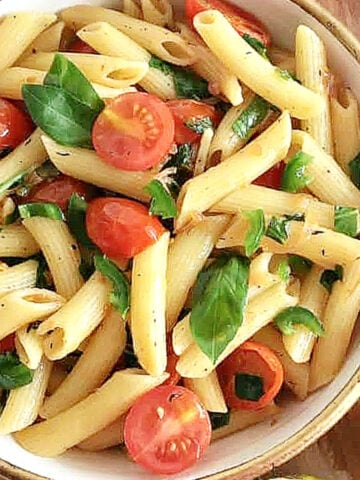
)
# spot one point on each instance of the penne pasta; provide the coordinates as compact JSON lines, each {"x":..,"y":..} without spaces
{"x":181,"y":336}
{"x":16,"y":241}
{"x":19,"y":276}
{"x":157,"y":12}
{"x":208,"y":391}
{"x":48,"y":40}
{"x":29,"y":346}
{"x":203,"y":152}
{"x":131,"y":8}
{"x":110,"y":436}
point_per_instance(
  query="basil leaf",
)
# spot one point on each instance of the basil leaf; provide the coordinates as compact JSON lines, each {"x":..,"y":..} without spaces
{"x":291,"y":316}
{"x":296,"y":217}
{"x":284,"y":271}
{"x":299,"y":266}
{"x":286,"y":75}
{"x":162,"y":203}
{"x":278,"y":229}
{"x":219,"y":420}
{"x":346,"y":220}
{"x":354,"y":166}
{"x":249,"y":387}
{"x":120,"y":296}
{"x":161,"y":65}
{"x":182,"y":160}
{"x":256,"y":45}
{"x":294,"y":177}
{"x":255,"y":231}
{"x":86,"y":269}
{"x":329,"y":277}
{"x":219,"y":299}
{"x":254,"y":114}
{"x":14,"y":181}
{"x":76,"y":219}
{"x":42,"y":273}
{"x":199,"y":125}
{"x":13,"y":373}
{"x":48,"y":210}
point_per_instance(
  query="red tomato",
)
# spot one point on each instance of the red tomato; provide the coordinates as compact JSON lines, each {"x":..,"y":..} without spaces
{"x":58,"y":191}
{"x":121,"y":227}
{"x":243,"y":22}
{"x":187,"y":110}
{"x":271,"y":178}
{"x":167,"y":430}
{"x":252,"y":358}
{"x":134,"y":132}
{"x":7,"y":344}
{"x":79,"y":46}
{"x":15,"y":125}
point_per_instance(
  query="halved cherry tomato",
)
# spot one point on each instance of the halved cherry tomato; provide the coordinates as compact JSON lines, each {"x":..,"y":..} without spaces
{"x":251,"y":358}
{"x":7,"y":344}
{"x":187,"y":110}
{"x":79,"y":46}
{"x":58,"y":191}
{"x":271,"y":178}
{"x":243,"y":22}
{"x":15,"y":125}
{"x":135,"y":131}
{"x":167,"y":430}
{"x":121,"y":227}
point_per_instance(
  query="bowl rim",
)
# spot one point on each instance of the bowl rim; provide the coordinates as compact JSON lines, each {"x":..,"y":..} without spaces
{"x":346,"y":398}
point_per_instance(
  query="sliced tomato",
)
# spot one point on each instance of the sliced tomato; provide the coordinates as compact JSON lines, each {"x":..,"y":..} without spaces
{"x":185,"y":111}
{"x":254,"y":359}
{"x":243,"y":22}
{"x":135,"y":131}
{"x":121,"y":227}
{"x":167,"y":430}
{"x":272,"y":178}
{"x":7,"y":344}
{"x":79,"y":46}
{"x":15,"y":125}
{"x":58,"y":191}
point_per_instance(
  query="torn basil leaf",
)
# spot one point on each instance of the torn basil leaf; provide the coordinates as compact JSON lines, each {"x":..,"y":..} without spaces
{"x":299,"y":265}
{"x":162,"y":203}
{"x":291,"y":316}
{"x":278,"y":229}
{"x":251,"y":117}
{"x":255,"y":232}
{"x":284,"y":271}
{"x":199,"y":125}
{"x":182,"y":161}
{"x":256,"y":45}
{"x":13,"y":373}
{"x":347,"y":220}
{"x":295,"y":177}
{"x":40,"y":209}
{"x":76,"y":218}
{"x":219,"y":420}
{"x":249,"y":387}
{"x":329,"y":277}
{"x":354,"y":166}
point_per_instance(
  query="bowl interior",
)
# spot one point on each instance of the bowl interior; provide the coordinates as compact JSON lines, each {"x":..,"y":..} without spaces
{"x":282,"y":18}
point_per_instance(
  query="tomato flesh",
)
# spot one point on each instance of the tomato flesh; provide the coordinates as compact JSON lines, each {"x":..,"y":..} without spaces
{"x":15,"y":125}
{"x":256,"y":359}
{"x":7,"y":344}
{"x":243,"y":22}
{"x":167,"y":430}
{"x":271,"y":178}
{"x":121,"y":227}
{"x":135,"y":131}
{"x":79,"y":46}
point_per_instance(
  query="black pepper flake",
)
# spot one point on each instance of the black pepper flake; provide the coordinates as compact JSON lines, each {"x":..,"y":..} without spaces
{"x":63,"y":154}
{"x":323,"y":252}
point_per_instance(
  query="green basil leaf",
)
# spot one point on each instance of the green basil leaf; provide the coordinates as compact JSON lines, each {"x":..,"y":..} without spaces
{"x":255,"y":231}
{"x":354,"y":166}
{"x":294,"y":177}
{"x":11,"y":217}
{"x":120,"y":296}
{"x":161,"y":65}
{"x":254,"y":114}
{"x":296,"y":217}
{"x":284,"y":271}
{"x":286,"y":75}
{"x":76,"y":219}
{"x":278,"y":229}
{"x":182,"y":161}
{"x":219,"y":420}
{"x":291,"y":316}
{"x":299,"y":265}
{"x":346,"y":220}
{"x":14,"y":182}
{"x":199,"y":125}
{"x":219,"y":299}
{"x":86,"y":268}
{"x":42,"y":273}
{"x":13,"y":373}
{"x":162,"y":203}
{"x":329,"y":277}
{"x":249,"y":387}
{"x":48,"y":210}
{"x":256,"y":45}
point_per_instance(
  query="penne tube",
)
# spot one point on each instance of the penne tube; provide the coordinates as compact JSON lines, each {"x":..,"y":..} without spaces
{"x":131,"y":8}
{"x":112,"y":72}
{"x":148,"y":303}
{"x":161,"y":42}
{"x":93,"y":367}
{"x":312,"y":71}
{"x":7,"y":210}
{"x":21,"y":307}
{"x":254,"y":70}
{"x":189,"y":249}
{"x":49,"y":40}
{"x":203,"y":152}
{"x":22,"y":406}
{"x":19,"y":276}
{"x":16,"y":241}
{"x":85,"y":165}
{"x":261,"y":309}
{"x":60,"y":251}
{"x":58,"y":375}
{"x":157,"y":12}
{"x":181,"y":336}
{"x":29,"y":346}
{"x":88,"y":306}
{"x":203,"y":191}
{"x":110,"y":436}
{"x":208,"y":391}
{"x":313,"y":296}
{"x":56,"y":435}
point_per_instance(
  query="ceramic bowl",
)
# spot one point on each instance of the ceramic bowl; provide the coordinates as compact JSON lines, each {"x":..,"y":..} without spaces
{"x":256,"y":450}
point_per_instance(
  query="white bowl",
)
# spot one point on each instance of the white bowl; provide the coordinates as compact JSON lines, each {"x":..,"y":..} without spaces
{"x":256,"y":450}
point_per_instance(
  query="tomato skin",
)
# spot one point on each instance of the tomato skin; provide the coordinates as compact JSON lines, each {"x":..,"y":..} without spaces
{"x":255,"y":359}
{"x":79,"y":46}
{"x":134,"y":132}
{"x":121,"y":227}
{"x":58,"y":191}
{"x":7,"y":344}
{"x":243,"y":22}
{"x":15,"y":125}
{"x":271,"y":178}
{"x":167,"y":430}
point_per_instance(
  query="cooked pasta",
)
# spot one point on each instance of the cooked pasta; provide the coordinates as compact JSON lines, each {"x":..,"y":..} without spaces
{"x":18,"y":277}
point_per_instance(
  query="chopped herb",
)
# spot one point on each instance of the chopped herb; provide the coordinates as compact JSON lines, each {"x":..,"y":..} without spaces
{"x":14,"y":182}
{"x":329,"y":277}
{"x":182,"y":161}
{"x":347,"y":221}
{"x":256,"y":45}
{"x":295,"y":177}
{"x":161,"y":65}
{"x":291,"y":316}
{"x":48,"y":210}
{"x":199,"y":125}
{"x":162,"y":203}
{"x":354,"y":166}
{"x":249,"y":387}
{"x":296,"y":217}
{"x":219,"y":420}
{"x":255,"y":231}
{"x":12,"y":217}
{"x":13,"y":373}
{"x":76,"y":219}
{"x":278,"y":229}
{"x":251,"y":117}
{"x":42,"y":273}
{"x":284,"y":271}
{"x":299,"y":266}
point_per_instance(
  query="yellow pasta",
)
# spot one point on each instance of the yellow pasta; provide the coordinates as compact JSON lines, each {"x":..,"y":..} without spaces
{"x":29,"y":346}
{"x":208,"y":391}
{"x":19,"y":276}
{"x":47,"y":41}
{"x":157,"y":12}
{"x":131,"y":8}
{"x":110,"y":436}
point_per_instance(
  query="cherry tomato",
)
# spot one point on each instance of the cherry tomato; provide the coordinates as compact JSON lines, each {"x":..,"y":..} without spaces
{"x":15,"y":125}
{"x":121,"y":227}
{"x":79,"y":46}
{"x":251,"y":358}
{"x":187,"y":110}
{"x":134,"y":132}
{"x":58,"y":191}
{"x":167,"y":430}
{"x":7,"y":344}
{"x":243,"y":22}
{"x":271,"y":178}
